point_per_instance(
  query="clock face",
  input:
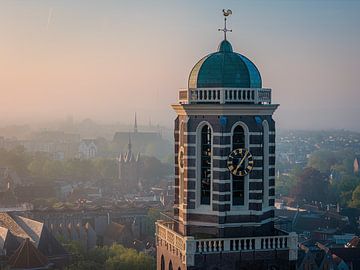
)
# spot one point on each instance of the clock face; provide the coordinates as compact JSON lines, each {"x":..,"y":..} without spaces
{"x":181,"y":158}
{"x":240,"y":162}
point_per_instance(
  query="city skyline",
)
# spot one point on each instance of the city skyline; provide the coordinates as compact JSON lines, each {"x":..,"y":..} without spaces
{"x":307,"y":52}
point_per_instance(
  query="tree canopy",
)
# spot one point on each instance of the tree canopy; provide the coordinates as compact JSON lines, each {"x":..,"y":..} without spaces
{"x":311,"y":185}
{"x":115,"y":257}
{"x":41,"y":167}
{"x":355,"y":198}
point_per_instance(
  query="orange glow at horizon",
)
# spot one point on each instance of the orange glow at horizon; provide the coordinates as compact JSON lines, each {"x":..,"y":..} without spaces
{"x":107,"y":60}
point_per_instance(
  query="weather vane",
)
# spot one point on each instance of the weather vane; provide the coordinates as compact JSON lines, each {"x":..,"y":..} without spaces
{"x":226,"y":13}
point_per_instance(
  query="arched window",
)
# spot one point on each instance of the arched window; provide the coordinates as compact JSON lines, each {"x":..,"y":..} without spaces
{"x":180,"y":159}
{"x":238,"y":186}
{"x":179,"y":268}
{"x":265,"y":163}
{"x":162,"y":266}
{"x":170,"y":265}
{"x":205,"y":159}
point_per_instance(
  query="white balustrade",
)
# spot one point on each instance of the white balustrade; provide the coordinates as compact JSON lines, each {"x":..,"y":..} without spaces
{"x":190,"y":246}
{"x":242,"y":244}
{"x":225,"y":95}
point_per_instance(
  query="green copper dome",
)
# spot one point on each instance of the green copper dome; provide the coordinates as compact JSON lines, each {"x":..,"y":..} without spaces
{"x":225,"y":68}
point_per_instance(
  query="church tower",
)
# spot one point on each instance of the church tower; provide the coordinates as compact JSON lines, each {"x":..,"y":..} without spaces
{"x":224,"y":172}
{"x":129,"y":169}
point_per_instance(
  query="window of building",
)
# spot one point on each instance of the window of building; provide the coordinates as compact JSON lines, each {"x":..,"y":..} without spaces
{"x":238,"y":186}
{"x":170,"y":265}
{"x":181,"y":174}
{"x":205,"y":159}
{"x":265,"y":162}
{"x":162,"y":266}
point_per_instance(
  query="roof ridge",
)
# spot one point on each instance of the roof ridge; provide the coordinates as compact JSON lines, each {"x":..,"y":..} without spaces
{"x":24,"y":255}
{"x":33,"y":232}
{"x":7,"y":221}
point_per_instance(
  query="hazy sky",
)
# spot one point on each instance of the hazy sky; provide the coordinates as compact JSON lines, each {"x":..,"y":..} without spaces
{"x":107,"y":59}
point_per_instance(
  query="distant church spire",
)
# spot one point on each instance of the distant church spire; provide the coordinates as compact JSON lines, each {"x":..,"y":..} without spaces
{"x":135,"y":125}
{"x":129,"y":144}
{"x":225,"y":30}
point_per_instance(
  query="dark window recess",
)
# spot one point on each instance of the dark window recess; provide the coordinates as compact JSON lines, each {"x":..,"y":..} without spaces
{"x":205,"y":164}
{"x":262,"y":162}
{"x":170,"y":265}
{"x":162,"y":267}
{"x":238,"y":191}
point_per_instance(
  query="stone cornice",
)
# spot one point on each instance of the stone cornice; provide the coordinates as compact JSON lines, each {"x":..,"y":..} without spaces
{"x":225,"y":109}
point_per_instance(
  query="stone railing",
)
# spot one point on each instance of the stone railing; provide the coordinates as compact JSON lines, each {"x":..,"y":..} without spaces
{"x":172,"y":241}
{"x":166,"y":232}
{"x":225,"y":95}
{"x":242,"y":244}
{"x":187,"y":247}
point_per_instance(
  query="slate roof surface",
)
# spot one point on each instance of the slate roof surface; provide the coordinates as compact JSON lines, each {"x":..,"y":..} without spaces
{"x":20,"y":228}
{"x":31,"y":227}
{"x":27,"y":256}
{"x":8,"y":222}
{"x":3,"y":236}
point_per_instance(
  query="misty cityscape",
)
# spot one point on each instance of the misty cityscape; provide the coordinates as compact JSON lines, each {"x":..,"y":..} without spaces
{"x":136,"y":137}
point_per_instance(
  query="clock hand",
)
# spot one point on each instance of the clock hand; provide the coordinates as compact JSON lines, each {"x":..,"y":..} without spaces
{"x":242,"y":160}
